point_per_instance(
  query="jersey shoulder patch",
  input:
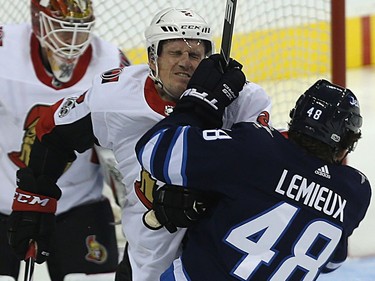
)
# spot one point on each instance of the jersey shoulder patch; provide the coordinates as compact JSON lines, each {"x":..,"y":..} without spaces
{"x":111,"y":75}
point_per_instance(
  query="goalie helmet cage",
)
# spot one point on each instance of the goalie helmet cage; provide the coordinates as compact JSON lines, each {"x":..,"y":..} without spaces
{"x":284,"y":45}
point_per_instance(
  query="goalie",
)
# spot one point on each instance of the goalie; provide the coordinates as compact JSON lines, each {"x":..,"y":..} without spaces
{"x":50,"y":58}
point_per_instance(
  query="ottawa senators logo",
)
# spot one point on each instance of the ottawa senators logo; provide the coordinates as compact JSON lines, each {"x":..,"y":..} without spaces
{"x":97,"y":253}
{"x":21,"y":158}
{"x":144,"y":188}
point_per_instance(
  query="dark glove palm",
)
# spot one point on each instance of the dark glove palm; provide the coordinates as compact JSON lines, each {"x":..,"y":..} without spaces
{"x":26,"y":226}
{"x":33,"y":217}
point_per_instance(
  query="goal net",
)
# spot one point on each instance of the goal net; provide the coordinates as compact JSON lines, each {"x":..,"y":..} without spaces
{"x":284,"y":45}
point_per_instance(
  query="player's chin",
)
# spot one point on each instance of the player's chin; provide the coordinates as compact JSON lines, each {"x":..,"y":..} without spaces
{"x":178,"y":87}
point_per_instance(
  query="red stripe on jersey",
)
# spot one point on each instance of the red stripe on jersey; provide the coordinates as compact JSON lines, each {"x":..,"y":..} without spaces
{"x":284,"y":133}
{"x":46,"y":122}
{"x":154,"y":100}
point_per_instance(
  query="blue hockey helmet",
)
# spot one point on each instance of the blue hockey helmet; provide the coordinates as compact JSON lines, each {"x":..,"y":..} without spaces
{"x":328,"y":113}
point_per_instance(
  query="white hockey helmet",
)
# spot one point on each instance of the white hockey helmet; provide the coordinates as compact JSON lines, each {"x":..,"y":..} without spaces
{"x":172,"y":23}
{"x":64,"y":28}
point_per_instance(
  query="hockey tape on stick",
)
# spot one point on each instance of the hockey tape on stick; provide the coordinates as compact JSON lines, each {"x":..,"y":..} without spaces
{"x":30,"y":261}
{"x":226,"y":41}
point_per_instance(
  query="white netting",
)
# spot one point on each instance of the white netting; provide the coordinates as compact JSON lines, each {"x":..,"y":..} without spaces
{"x":284,"y":45}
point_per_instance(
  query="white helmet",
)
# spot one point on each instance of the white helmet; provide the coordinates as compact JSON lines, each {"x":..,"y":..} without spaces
{"x":172,"y":23}
{"x":64,"y":28}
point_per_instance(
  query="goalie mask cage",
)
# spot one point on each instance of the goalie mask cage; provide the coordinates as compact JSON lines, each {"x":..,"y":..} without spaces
{"x":284,"y":45}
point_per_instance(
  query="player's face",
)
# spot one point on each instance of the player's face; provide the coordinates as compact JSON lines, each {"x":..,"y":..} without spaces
{"x":177,"y":63}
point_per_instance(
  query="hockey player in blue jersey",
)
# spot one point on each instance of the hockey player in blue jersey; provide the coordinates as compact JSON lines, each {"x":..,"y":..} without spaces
{"x":285,"y":205}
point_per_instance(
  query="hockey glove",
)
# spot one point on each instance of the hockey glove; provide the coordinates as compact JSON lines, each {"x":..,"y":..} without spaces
{"x":210,"y":90}
{"x":33,"y":215}
{"x":175,"y":206}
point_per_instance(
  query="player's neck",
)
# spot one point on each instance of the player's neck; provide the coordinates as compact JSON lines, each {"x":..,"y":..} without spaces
{"x":164,"y":94}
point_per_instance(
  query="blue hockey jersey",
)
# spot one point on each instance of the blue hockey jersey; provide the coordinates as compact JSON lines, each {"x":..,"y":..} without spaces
{"x":282,"y":214}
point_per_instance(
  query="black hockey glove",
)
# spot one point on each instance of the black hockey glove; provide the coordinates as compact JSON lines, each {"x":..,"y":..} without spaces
{"x":33,"y":215}
{"x":210,"y":90}
{"x":175,"y":206}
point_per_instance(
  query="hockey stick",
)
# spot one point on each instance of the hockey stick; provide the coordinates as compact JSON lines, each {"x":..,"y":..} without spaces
{"x":30,"y":261}
{"x":226,"y":41}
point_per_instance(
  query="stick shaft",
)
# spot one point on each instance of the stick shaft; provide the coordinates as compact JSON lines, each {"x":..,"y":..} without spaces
{"x":30,"y":262}
{"x":226,"y":42}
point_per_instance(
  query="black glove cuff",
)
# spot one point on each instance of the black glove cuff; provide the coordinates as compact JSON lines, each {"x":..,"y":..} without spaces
{"x":210,"y":115}
{"x":43,"y":185}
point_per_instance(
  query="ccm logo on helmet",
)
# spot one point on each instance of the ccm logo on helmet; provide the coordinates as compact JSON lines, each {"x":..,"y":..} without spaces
{"x":30,"y":199}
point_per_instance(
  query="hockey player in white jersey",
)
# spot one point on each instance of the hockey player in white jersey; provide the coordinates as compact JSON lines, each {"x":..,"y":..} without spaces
{"x":41,"y":63}
{"x":121,"y":105}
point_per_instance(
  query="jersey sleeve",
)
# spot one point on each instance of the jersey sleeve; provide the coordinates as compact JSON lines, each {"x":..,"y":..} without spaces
{"x":62,"y":129}
{"x":187,"y":155}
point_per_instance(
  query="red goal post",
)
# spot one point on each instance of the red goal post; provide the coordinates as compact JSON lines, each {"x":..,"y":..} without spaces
{"x":284,"y":45}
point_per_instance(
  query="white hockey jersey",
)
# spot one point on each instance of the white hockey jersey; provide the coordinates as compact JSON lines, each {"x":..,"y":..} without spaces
{"x":25,"y":89}
{"x":124,"y":104}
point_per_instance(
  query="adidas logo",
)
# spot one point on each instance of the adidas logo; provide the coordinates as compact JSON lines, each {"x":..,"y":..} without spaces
{"x":323,"y":171}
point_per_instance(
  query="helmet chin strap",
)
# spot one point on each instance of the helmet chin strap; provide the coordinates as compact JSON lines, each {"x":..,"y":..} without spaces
{"x":155,"y":77}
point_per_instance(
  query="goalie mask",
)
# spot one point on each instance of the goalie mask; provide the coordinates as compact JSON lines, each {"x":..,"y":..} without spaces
{"x":64,"y":29}
{"x":171,"y":24}
{"x":328,"y":113}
